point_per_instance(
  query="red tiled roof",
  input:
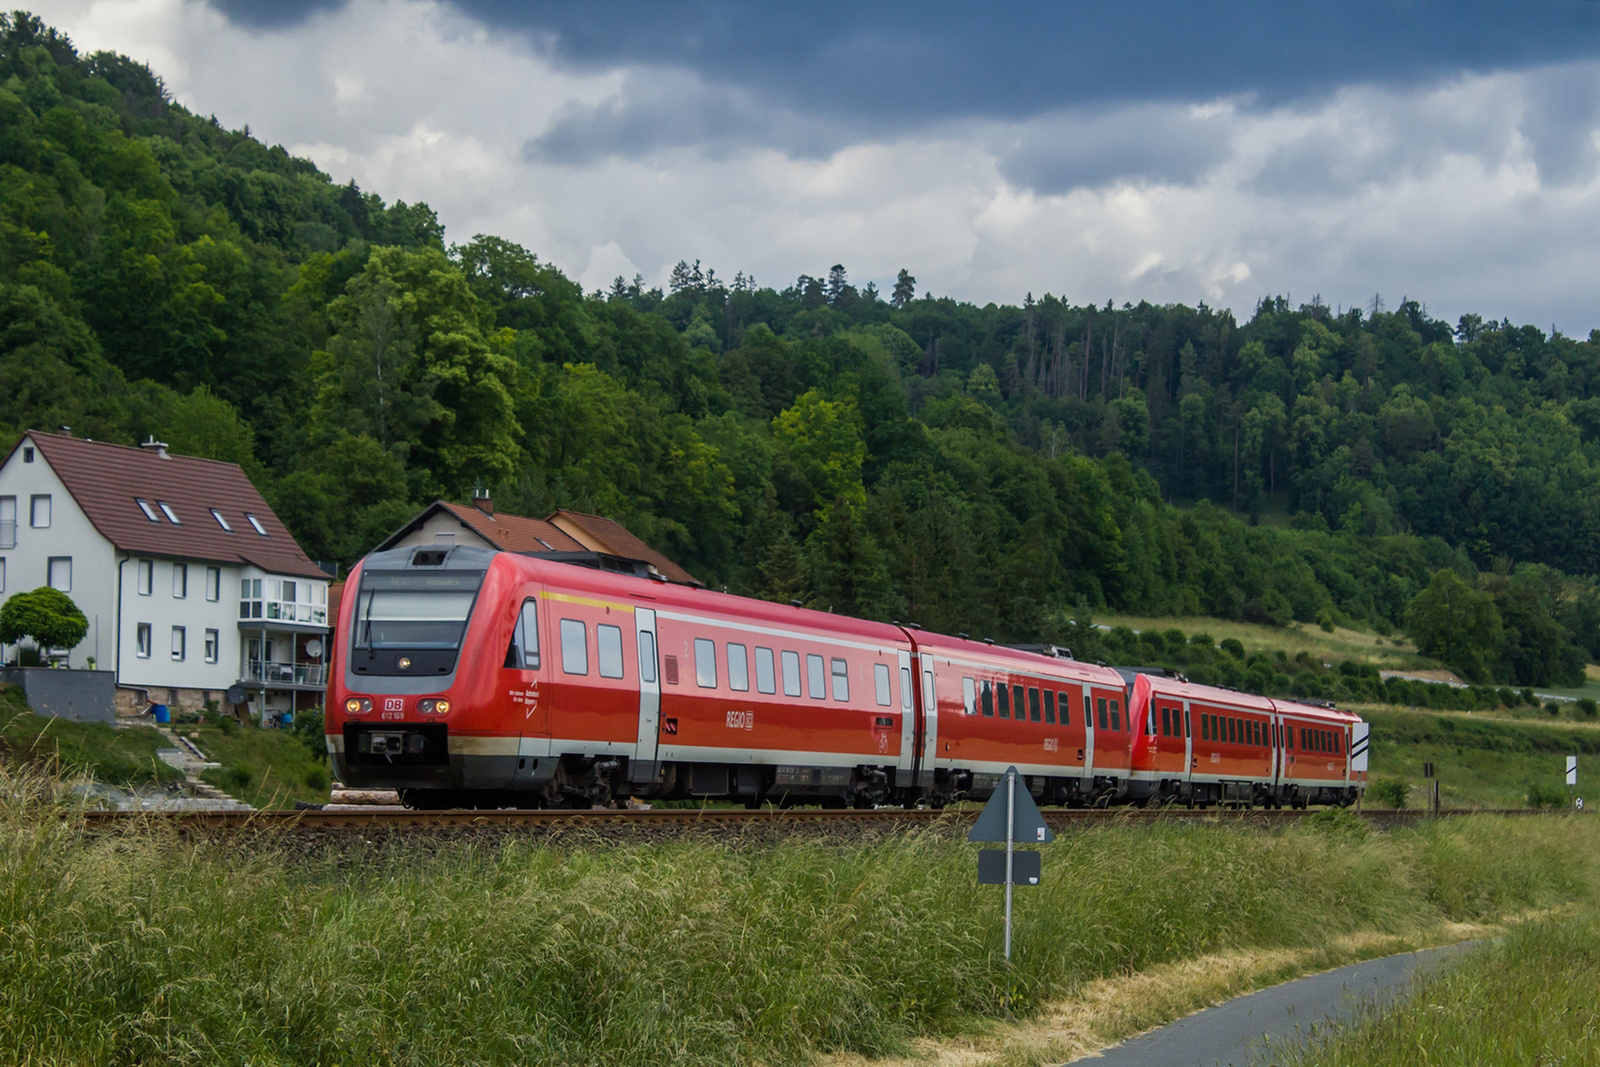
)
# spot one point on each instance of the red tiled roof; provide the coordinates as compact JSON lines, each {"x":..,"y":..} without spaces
{"x":513,"y":533}
{"x":106,"y":480}
{"x":600,"y":534}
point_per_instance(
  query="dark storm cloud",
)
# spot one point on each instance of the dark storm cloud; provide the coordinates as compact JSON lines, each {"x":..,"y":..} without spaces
{"x":1165,"y":143}
{"x":902,"y":61}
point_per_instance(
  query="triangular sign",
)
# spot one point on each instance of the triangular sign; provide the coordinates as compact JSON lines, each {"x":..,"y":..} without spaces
{"x":1027,"y":824}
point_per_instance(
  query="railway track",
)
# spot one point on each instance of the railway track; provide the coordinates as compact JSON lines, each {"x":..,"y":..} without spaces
{"x":677,"y":822}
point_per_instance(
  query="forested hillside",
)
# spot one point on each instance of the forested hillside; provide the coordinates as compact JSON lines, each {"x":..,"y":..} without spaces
{"x":988,"y":469}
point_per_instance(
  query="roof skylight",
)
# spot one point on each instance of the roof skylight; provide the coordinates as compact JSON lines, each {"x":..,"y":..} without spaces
{"x":222,"y":522}
{"x":255,"y":524}
{"x":166,"y":509}
{"x":149,"y":512}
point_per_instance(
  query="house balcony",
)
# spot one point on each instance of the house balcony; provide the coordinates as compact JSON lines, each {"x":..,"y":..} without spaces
{"x":282,"y":614}
{"x":274,"y":675}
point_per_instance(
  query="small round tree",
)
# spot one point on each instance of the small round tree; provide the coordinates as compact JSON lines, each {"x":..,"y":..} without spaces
{"x":46,"y":615}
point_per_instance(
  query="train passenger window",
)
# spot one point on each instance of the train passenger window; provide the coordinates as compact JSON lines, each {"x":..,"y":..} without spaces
{"x":766,"y":680}
{"x":791,"y":674}
{"x":1232,"y":728}
{"x":1017,"y":703}
{"x":1338,"y":744}
{"x":1005,"y":700}
{"x":1205,"y":727}
{"x":647,"y":656}
{"x":988,"y":698}
{"x":1050,"y":706}
{"x":738,"y":668}
{"x":608,"y":641}
{"x":816,"y":679}
{"x":905,"y":688}
{"x":1167,"y":717}
{"x":841,"y":680}
{"x":1115,"y":722}
{"x":574,"y":647}
{"x":1033,"y":704}
{"x":1100,"y":712}
{"x":705,"y":663}
{"x":1066,"y":708}
{"x":969,"y":696}
{"x":1186,"y":727}
{"x":880,"y":685}
{"x":523,"y":652}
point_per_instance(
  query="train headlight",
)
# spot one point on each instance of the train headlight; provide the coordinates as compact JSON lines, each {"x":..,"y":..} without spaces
{"x":357,"y":706}
{"x":441,"y":707}
{"x":404,"y":663}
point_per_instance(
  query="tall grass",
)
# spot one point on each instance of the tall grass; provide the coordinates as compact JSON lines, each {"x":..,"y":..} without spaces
{"x":139,"y":947}
{"x":1532,"y":999}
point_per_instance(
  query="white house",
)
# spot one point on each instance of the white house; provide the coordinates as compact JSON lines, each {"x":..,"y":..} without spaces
{"x":190,"y":583}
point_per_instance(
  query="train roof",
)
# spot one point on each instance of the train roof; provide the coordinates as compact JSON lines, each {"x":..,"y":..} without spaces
{"x":1181,"y":689}
{"x":1018,"y":659}
{"x":1316,"y":711}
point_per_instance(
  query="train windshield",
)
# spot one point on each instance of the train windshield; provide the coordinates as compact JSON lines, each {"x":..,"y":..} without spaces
{"x":411,"y":610}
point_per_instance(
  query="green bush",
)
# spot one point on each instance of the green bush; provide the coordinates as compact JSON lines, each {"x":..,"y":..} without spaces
{"x":1233,"y":647}
{"x":1390,"y":792}
{"x":1587,"y":707}
{"x":1543,"y":795}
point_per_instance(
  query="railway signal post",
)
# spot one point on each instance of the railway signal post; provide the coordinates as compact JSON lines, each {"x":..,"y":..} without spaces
{"x":1010,"y":813}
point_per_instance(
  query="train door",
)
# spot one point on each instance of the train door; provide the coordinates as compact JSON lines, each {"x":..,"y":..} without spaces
{"x":1088,"y":734}
{"x":930,"y":722}
{"x":1188,"y":743}
{"x":910,"y":730}
{"x":645,"y":767}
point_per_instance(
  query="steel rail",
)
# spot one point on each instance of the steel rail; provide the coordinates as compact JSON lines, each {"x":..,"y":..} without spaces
{"x":732,"y":819}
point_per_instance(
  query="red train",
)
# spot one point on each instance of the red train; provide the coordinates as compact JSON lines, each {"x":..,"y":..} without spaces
{"x":467,"y":677}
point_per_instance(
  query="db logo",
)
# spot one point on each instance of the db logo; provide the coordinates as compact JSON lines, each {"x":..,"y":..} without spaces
{"x":393,"y":703}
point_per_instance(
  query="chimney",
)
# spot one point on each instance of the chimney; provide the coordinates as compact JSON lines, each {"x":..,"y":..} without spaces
{"x":483,"y":501}
{"x":159,"y":446}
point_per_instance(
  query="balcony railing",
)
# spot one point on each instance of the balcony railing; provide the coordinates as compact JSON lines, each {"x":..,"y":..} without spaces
{"x":286,"y":673}
{"x":8,"y":533}
{"x":284,"y":611}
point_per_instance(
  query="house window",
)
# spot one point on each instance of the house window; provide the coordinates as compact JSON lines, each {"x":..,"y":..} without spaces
{"x":816,"y":681}
{"x":574,"y":647}
{"x":739,"y":668}
{"x":766,"y":678}
{"x":180,"y":581}
{"x":149,"y":512}
{"x":213,"y":639}
{"x":180,"y":643}
{"x":213,"y":583}
{"x":8,"y":522}
{"x":166,"y":509}
{"x":255,"y":524}
{"x":27,"y":455}
{"x":2,"y":574}
{"x":142,"y":640}
{"x":60,"y":573}
{"x":841,"y":680}
{"x":39,"y":511}
{"x":705,"y":663}
{"x":215,"y":514}
{"x":880,"y":684}
{"x":147,"y":577}
{"x":609,"y":640}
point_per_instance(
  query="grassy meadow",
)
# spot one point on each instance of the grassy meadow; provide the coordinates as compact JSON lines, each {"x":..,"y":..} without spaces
{"x":1483,"y":760}
{"x":1324,"y":646}
{"x":135,"y":946}
{"x":123,"y":756}
{"x":1533,"y":998}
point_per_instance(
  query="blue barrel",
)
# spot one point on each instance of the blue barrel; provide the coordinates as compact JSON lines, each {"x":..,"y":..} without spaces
{"x":287,"y":718}
{"x":161,"y":713}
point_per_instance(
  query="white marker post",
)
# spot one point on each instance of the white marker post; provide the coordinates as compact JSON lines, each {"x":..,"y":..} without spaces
{"x":1011,"y":842}
{"x":1572,"y":777}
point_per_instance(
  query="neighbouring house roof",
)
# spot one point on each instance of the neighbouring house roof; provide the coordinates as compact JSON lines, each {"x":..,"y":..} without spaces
{"x":513,"y":533}
{"x":562,"y":531}
{"x":600,"y":534}
{"x":107,"y":481}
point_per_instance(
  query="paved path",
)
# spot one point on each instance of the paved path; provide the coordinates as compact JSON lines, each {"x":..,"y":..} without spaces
{"x":1237,"y":1033}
